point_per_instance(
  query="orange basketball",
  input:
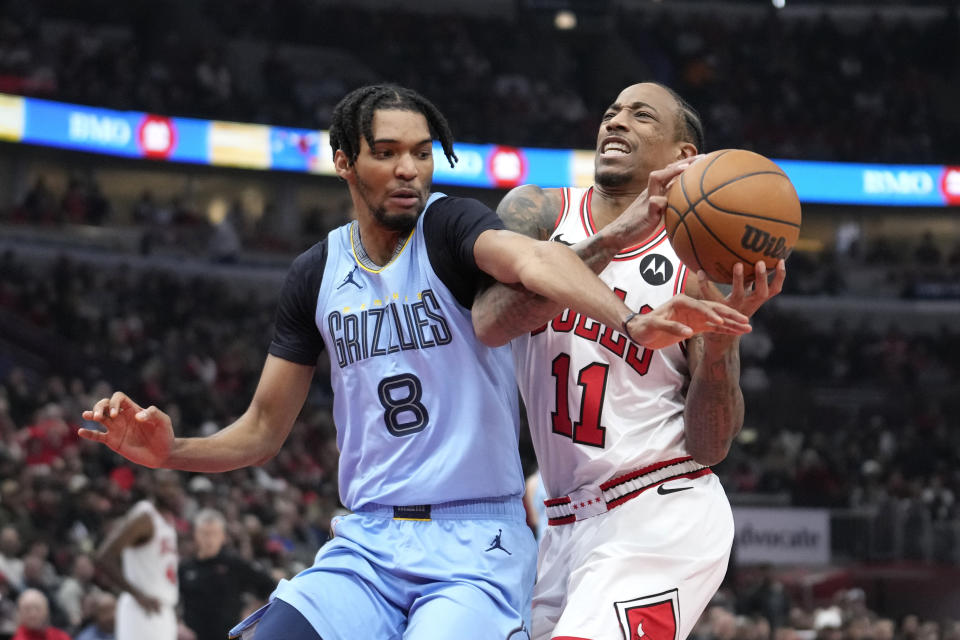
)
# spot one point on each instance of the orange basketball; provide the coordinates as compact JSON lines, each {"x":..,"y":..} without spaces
{"x":732,"y":206}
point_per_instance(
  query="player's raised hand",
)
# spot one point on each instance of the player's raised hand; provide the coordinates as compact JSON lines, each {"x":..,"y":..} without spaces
{"x":682,"y":317}
{"x":743,"y":297}
{"x":144,"y":436}
{"x":644,"y":214}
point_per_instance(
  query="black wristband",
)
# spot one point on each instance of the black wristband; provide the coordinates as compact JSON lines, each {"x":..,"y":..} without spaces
{"x":626,"y":321}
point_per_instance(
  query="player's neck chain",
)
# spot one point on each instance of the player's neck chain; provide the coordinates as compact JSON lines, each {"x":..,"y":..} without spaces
{"x":363,"y":257}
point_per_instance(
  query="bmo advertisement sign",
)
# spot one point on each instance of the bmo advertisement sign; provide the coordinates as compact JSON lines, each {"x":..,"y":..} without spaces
{"x":500,"y":167}
{"x":120,"y":133}
{"x":490,"y":166}
{"x":874,"y":184}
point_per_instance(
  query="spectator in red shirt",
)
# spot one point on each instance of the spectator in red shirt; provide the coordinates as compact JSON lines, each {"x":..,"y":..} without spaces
{"x":33,"y":614}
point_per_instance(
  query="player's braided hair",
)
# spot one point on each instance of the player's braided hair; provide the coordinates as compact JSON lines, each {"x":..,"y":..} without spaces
{"x":353,"y":116}
{"x":689,"y":125}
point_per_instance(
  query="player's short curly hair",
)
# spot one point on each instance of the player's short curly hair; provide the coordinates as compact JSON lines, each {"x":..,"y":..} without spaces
{"x":353,"y":116}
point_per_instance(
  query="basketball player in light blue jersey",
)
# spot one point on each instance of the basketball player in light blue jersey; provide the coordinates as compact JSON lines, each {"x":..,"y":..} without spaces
{"x":426,"y":416}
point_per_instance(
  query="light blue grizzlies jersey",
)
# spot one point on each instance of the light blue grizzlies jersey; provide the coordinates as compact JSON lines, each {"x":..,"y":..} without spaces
{"x":425,"y":413}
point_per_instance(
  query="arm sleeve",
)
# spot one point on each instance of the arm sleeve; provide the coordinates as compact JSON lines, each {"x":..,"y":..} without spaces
{"x":296,"y":337}
{"x":450,"y":228}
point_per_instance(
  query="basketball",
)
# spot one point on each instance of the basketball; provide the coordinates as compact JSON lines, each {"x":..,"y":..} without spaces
{"x":732,"y":206}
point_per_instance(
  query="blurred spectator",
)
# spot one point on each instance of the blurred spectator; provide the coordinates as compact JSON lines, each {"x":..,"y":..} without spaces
{"x":74,"y":588}
{"x":927,"y":253}
{"x":39,"y":204}
{"x":39,"y":575}
{"x":74,"y":204}
{"x":225,"y":240}
{"x":33,"y":617}
{"x":769,"y":599}
{"x":214,"y":583}
{"x":144,"y":209}
{"x":11,"y":564}
{"x":101,"y":627}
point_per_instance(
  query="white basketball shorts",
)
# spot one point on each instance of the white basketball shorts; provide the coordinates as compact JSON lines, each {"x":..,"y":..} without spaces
{"x":645,"y":568}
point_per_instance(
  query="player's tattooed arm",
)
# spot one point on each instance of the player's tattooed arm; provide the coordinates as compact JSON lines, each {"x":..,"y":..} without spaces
{"x":501,"y":312}
{"x":714,"y":409}
{"x":530,"y":210}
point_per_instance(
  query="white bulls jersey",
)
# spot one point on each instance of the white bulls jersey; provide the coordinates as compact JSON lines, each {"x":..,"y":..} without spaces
{"x":598,"y":404}
{"x":152,"y":566}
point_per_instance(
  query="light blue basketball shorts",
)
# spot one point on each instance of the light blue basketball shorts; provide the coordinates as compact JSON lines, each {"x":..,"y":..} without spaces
{"x":467,"y":572}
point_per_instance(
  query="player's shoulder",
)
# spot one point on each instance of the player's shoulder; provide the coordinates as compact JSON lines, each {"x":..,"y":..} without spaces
{"x":141,"y":507}
{"x":457,"y":204}
{"x":313,"y":258}
{"x":531,"y":210}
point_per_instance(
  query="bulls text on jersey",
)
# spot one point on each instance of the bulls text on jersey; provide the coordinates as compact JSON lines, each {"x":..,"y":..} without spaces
{"x":613,"y":341}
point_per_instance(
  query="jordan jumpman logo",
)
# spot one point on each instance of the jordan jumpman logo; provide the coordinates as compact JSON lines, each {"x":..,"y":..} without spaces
{"x":349,"y":280}
{"x":496,"y":543}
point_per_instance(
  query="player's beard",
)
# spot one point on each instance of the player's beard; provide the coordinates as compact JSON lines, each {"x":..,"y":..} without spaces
{"x":400,"y":222}
{"x":612,"y":179}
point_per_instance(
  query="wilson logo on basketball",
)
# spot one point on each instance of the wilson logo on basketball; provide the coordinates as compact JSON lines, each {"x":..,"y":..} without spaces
{"x":760,"y":241}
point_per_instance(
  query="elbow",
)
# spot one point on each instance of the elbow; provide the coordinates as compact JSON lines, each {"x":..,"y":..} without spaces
{"x":487,"y":331}
{"x":491,"y":338}
{"x":494,"y":342}
{"x":710,"y":457}
{"x":713,"y":451}
{"x":266,"y":457}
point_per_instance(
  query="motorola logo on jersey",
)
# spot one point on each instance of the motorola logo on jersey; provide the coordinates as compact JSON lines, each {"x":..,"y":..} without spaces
{"x":655,"y":269}
{"x":382,"y":330}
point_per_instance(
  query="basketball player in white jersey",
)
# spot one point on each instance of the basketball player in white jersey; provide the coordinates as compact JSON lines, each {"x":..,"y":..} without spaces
{"x":640,"y":528}
{"x":140,"y":558}
{"x":427,"y":418}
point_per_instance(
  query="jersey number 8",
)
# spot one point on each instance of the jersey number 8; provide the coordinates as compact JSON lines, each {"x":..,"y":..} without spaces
{"x":400,"y":396}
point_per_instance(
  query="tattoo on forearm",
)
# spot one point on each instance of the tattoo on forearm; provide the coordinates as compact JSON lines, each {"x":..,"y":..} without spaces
{"x":714,"y":412}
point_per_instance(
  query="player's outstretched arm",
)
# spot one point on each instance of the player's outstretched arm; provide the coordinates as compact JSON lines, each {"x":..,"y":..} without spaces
{"x":145,"y":435}
{"x":714,"y":409}
{"x":502,"y":312}
{"x":555,"y":272}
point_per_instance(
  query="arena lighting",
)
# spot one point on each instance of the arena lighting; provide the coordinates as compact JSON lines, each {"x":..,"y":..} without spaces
{"x":565,"y":20}
{"x":779,"y":4}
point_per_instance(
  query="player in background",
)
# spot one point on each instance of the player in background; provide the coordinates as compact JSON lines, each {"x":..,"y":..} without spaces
{"x":427,"y":417}
{"x":139,"y":557}
{"x":640,"y":528}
